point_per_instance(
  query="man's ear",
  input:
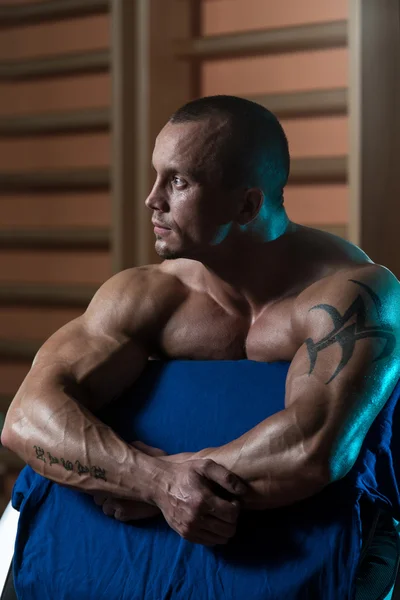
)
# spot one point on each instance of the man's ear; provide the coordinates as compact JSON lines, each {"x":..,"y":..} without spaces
{"x":250,"y":205}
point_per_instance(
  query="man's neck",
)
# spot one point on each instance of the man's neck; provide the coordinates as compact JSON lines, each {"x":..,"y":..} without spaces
{"x":252,"y":274}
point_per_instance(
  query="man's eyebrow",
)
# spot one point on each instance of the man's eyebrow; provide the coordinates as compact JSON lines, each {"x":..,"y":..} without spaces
{"x":193,"y":173}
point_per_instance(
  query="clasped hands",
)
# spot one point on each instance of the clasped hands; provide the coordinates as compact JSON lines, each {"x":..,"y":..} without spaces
{"x":201,"y":501}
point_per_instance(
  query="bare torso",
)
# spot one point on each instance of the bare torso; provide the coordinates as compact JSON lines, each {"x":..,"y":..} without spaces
{"x":203,"y":328}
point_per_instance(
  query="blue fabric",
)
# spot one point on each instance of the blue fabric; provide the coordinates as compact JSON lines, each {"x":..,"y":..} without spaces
{"x":66,"y":548}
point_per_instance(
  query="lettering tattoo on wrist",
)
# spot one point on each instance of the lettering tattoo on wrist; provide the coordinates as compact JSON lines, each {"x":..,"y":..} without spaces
{"x":94,"y":471}
{"x":347,"y":337}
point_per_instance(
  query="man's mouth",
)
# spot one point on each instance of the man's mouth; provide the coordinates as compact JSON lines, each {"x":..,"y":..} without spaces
{"x":160,"y":229}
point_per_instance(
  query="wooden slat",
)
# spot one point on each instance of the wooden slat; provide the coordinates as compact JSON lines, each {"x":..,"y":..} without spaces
{"x":68,"y":64}
{"x":46,"y":295}
{"x":72,"y":238}
{"x":318,"y":170}
{"x":11,"y":15}
{"x":92,"y":120}
{"x":269,"y":41}
{"x":80,"y":179}
{"x":305,"y":104}
{"x":18,"y":350}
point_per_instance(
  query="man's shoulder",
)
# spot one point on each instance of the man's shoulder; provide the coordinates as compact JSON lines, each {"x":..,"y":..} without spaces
{"x":158,"y":280}
{"x":184,"y":269}
{"x":146,"y":291}
{"x":366,"y":287}
{"x":151,"y":277}
{"x":340,"y":281}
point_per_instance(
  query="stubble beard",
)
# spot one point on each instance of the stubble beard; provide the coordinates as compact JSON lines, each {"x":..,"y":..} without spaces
{"x":165,"y":253}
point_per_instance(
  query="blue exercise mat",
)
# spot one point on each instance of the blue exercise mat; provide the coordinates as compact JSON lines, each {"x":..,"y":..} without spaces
{"x":66,"y":548}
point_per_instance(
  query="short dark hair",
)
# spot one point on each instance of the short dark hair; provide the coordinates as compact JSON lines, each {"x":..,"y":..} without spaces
{"x":253,"y":147}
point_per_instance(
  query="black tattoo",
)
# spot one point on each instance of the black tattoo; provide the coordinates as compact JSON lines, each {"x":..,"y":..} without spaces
{"x":81,"y":468}
{"x":40,"y":453}
{"x":67,"y":464}
{"x":95,"y":472}
{"x":98,"y":473}
{"x":347,"y":337}
{"x":53,"y":459}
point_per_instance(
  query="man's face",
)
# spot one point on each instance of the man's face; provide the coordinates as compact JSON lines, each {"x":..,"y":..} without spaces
{"x":187,"y":198}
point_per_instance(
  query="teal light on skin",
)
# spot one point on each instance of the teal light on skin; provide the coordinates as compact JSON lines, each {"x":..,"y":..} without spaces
{"x":269,"y":225}
{"x":378,"y":386}
{"x":370,"y":316}
{"x":222,"y":234}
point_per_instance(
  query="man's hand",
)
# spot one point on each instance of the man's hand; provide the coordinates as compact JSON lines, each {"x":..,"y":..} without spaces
{"x":200,"y":500}
{"x":192,"y":500}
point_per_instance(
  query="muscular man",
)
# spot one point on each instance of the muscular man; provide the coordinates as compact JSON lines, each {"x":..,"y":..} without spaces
{"x":239,"y":280}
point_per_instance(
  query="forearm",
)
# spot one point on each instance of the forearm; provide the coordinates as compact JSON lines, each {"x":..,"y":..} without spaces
{"x":64,"y":442}
{"x":277,"y":461}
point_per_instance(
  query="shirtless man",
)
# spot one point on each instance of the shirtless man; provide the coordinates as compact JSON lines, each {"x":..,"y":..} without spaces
{"x":239,"y":280}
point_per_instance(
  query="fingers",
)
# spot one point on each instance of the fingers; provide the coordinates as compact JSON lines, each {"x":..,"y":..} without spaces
{"x":207,"y":521}
{"x":202,"y":503}
{"x":118,"y":512}
{"x":99,"y":499}
{"x":218,"y":527}
{"x":208,"y":531}
{"x":128,"y":510}
{"x":195,"y":509}
{"x":226,"y":479}
{"x":224,"y":510}
{"x":109,"y":509}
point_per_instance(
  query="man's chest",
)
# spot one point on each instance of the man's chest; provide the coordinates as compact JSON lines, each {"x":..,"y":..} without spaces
{"x":204,"y":331}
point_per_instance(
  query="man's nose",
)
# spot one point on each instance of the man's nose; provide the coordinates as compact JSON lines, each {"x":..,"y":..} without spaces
{"x":156,"y":200}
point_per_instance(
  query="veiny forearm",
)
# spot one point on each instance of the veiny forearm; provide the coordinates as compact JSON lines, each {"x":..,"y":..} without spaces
{"x":277,"y":460}
{"x":64,"y":442}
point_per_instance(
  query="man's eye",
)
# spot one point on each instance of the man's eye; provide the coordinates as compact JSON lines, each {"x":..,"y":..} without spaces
{"x":178,"y":182}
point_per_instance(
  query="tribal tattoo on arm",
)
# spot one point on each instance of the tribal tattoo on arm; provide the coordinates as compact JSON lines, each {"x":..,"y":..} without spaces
{"x":347,"y":336}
